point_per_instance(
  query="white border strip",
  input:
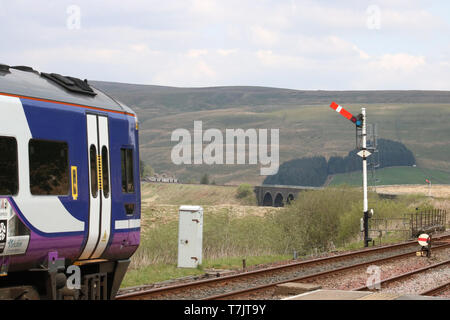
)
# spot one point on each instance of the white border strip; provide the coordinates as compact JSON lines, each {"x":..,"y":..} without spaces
{"x":128,"y":224}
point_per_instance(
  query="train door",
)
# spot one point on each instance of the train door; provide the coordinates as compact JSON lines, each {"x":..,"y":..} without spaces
{"x":99,"y":186}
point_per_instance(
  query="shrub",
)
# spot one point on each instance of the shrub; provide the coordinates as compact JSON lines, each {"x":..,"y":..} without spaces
{"x":204,"y":179}
{"x":244,"y":190}
{"x":246,"y":195}
{"x":313,"y":221}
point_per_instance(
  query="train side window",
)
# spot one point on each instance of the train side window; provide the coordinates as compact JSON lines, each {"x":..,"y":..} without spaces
{"x":105,"y":171}
{"x":127,"y":170}
{"x":49,"y":167}
{"x":9,"y":177}
{"x":94,"y":173}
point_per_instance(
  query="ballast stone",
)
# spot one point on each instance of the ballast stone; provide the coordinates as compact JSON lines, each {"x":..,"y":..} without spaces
{"x":293,"y":288}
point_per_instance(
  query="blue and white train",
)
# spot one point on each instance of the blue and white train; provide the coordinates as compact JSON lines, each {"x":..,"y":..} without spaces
{"x":69,"y":187}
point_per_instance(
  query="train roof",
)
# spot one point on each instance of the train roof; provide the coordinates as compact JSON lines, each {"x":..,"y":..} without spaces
{"x":26,"y":82}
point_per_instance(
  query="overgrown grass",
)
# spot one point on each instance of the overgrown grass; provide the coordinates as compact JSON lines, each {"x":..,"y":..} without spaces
{"x":164,"y":271}
{"x":156,"y":273}
{"x":224,"y":235}
{"x":318,"y":221}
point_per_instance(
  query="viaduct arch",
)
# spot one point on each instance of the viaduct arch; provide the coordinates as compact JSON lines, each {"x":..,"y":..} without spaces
{"x":278,"y":195}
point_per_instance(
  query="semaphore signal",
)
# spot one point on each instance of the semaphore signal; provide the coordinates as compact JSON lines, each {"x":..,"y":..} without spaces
{"x":339,"y":109}
{"x":360,"y":122}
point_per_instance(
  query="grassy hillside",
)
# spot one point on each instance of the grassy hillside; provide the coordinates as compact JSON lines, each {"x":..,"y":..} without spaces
{"x":394,"y":176}
{"x":307,"y":125}
{"x":186,"y":194}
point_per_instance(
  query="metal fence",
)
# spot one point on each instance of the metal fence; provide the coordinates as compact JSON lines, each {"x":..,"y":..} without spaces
{"x":379,"y":227}
{"x":429,"y":221}
{"x":411,"y":225}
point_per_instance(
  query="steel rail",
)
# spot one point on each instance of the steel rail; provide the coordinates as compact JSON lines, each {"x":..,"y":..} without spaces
{"x":142,"y":294}
{"x":436,"y":290}
{"x":406,"y":274}
{"x":315,"y":275}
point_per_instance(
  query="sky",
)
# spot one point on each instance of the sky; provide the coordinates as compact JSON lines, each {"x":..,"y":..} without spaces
{"x":305,"y":45}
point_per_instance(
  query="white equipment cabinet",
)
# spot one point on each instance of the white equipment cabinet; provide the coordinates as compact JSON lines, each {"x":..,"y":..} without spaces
{"x":190,"y":236}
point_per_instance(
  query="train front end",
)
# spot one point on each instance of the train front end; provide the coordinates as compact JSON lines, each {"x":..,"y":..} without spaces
{"x":69,"y":187}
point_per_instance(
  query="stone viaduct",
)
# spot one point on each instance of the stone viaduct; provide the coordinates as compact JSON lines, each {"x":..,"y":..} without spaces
{"x":278,"y":195}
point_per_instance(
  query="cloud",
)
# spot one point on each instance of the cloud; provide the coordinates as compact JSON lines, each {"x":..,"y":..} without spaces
{"x":270,"y":59}
{"x":293,"y":44}
{"x":195,"y":53}
{"x":410,"y":20}
{"x":263,"y":36}
{"x":227,"y":52}
{"x":399,"y":62}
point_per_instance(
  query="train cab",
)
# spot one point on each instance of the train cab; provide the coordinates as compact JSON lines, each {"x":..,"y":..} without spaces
{"x":69,"y":183}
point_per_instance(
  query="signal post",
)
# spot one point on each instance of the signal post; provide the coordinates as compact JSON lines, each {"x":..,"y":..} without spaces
{"x":360,"y":122}
{"x":364,"y":153}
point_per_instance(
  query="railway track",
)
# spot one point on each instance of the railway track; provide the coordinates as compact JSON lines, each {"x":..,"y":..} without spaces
{"x":437,"y":290}
{"x":262,"y":292}
{"x":253,"y":281}
{"x":407,"y":275}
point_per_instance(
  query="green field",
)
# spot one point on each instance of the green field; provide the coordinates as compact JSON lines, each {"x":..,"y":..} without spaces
{"x":394,"y":176}
{"x":307,"y":126}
